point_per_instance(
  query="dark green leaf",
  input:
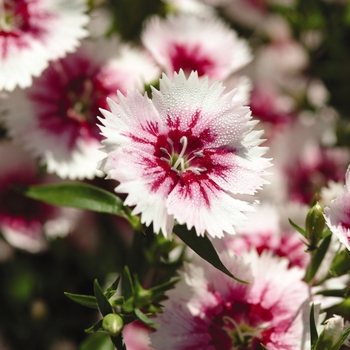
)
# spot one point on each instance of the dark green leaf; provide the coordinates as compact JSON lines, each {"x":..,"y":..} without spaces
{"x":127,"y":284}
{"x":345,"y":335}
{"x":204,"y":248}
{"x":340,"y":293}
{"x":103,"y":303}
{"x":297,"y":228}
{"x":341,"y":263}
{"x":81,"y":196}
{"x":263,"y":346}
{"x":118,"y":342}
{"x":95,"y":328}
{"x":97,"y":341}
{"x":85,"y":300}
{"x":159,"y":290}
{"x":112,"y":289}
{"x":143,"y":318}
{"x":316,"y":259}
{"x":313,"y":329}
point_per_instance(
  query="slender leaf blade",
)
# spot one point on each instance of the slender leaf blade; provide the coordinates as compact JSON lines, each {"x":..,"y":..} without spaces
{"x":297,"y":228}
{"x":316,"y":259}
{"x":100,"y":341}
{"x":103,"y":303}
{"x":204,"y":248}
{"x":85,"y":300}
{"x":95,"y":328}
{"x":143,"y":318}
{"x":313,"y":328}
{"x":118,"y":342}
{"x":78,"y":195}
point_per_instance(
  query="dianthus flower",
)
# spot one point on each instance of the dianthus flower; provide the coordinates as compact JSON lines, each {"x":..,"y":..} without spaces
{"x":209,"y":310}
{"x":24,"y":222}
{"x":56,"y":117}
{"x":188,"y":154}
{"x":192,"y":43}
{"x":32,"y":32}
{"x":337,"y":215}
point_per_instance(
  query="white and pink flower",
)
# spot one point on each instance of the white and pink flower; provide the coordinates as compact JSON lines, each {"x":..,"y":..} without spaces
{"x":25,"y":223}
{"x":32,"y":32}
{"x":337,"y":215}
{"x":56,"y":117}
{"x":187,"y":155}
{"x":209,"y":310}
{"x":191,"y":43}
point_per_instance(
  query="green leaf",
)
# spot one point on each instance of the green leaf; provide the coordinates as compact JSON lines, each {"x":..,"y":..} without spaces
{"x":263,"y":346}
{"x":158,"y":291}
{"x":118,"y":342}
{"x":297,"y":228}
{"x":112,"y":289}
{"x":143,"y":318}
{"x":85,"y":300}
{"x":341,"y":263}
{"x":316,"y":259}
{"x":103,"y":303}
{"x":127,"y":284}
{"x":81,"y":196}
{"x":95,"y":328}
{"x":313,"y":329}
{"x":345,"y":335}
{"x":97,"y":341}
{"x":204,"y":248}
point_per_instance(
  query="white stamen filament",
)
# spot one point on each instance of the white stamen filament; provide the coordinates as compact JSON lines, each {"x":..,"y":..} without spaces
{"x":227,"y":319}
{"x":180,"y":159}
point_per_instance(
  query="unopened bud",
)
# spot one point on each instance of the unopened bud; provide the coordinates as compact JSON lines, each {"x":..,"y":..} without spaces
{"x":314,"y":225}
{"x":332,"y":334}
{"x":113,"y":324}
{"x":143,"y":298}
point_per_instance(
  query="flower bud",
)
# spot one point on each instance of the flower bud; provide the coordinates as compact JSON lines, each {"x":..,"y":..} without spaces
{"x":331,"y":336}
{"x":314,"y":225}
{"x":143,"y":298}
{"x":113,"y":324}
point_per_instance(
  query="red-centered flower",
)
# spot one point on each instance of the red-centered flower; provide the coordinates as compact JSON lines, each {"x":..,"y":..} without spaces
{"x":188,"y":154}
{"x":209,"y":310}
{"x":192,"y":43}
{"x":24,"y":222}
{"x":56,"y":117}
{"x":337,"y":215}
{"x":32,"y":32}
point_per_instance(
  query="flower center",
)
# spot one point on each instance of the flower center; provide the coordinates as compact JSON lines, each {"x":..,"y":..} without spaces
{"x":11,"y":18}
{"x":181,"y":162}
{"x":241,"y":335}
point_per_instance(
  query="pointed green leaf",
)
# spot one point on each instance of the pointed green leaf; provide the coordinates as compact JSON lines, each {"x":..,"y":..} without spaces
{"x":313,"y":329}
{"x":316,"y":259}
{"x":127,"y":284}
{"x":103,"y":303}
{"x":204,"y":248}
{"x":81,"y":196}
{"x":97,"y":341}
{"x":297,"y":228}
{"x":159,"y":290}
{"x":345,"y":335}
{"x":143,"y":318}
{"x":341,"y":263}
{"x":263,"y":346}
{"x":112,"y":289}
{"x":118,"y":342}
{"x":95,"y":328}
{"x":85,"y":300}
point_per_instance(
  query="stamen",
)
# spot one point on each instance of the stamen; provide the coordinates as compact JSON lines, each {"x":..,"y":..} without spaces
{"x":227,"y":319}
{"x":164,"y":159}
{"x":180,"y":159}
{"x":175,"y":170}
{"x":164,"y":150}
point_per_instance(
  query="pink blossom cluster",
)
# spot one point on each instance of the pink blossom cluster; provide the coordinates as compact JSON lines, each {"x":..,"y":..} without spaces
{"x":192,"y":125}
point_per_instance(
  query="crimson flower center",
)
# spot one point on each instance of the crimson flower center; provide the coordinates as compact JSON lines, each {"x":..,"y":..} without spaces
{"x":12,"y":16}
{"x":181,"y":162}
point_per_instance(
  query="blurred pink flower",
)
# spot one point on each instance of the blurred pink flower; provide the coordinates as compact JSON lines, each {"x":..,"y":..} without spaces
{"x":337,"y":215}
{"x":56,"y":117}
{"x":192,"y":43}
{"x":264,"y":232}
{"x":187,"y":154}
{"x":25,"y":222}
{"x":209,"y":310}
{"x":32,"y":32}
